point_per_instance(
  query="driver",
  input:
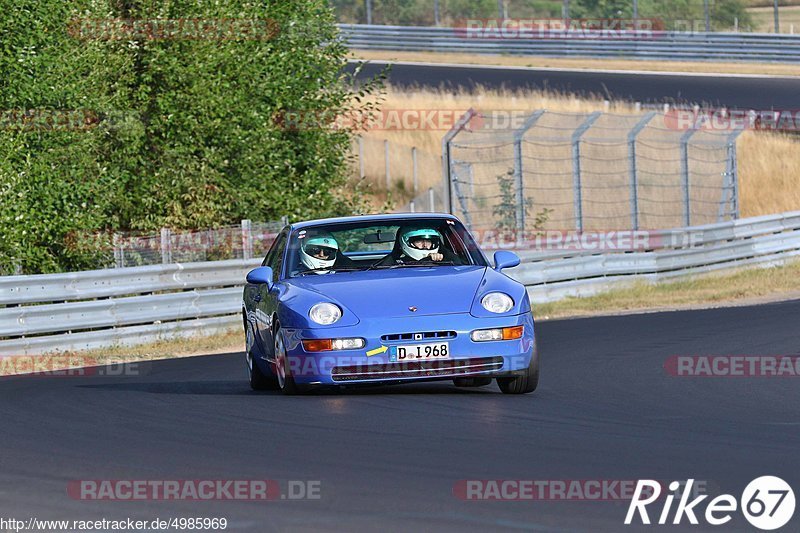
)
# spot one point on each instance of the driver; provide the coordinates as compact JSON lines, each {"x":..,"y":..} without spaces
{"x":319,"y":253}
{"x":419,"y":245}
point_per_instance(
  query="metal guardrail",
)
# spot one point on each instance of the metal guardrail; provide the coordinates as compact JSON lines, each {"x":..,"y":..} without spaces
{"x":675,"y":46}
{"x":99,"y":308}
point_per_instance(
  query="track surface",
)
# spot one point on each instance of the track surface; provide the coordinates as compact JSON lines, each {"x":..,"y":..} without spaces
{"x":388,"y":457}
{"x":714,"y":90}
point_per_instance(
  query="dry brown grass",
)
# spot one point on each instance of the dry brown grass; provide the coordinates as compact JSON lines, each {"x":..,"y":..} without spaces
{"x":769,"y":163}
{"x":771,"y":69}
{"x":764,"y":21}
{"x":738,"y":287}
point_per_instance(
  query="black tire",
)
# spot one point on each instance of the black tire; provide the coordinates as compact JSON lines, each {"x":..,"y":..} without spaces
{"x":526,"y":382}
{"x":258,"y":381}
{"x":472,"y":382}
{"x":283,"y":371}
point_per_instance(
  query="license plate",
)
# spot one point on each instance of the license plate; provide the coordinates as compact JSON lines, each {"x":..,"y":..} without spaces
{"x":419,"y":352}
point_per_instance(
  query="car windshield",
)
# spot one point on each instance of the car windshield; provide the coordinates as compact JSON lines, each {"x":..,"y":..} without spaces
{"x":387,"y":244}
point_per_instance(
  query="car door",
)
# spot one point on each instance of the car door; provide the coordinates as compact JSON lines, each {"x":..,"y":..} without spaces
{"x":267,"y":299}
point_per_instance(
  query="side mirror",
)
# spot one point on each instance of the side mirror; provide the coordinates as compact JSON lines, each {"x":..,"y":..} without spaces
{"x":504,"y":259}
{"x":260,"y":276}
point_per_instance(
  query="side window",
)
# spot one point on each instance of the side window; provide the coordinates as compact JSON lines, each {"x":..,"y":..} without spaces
{"x":274,"y":258}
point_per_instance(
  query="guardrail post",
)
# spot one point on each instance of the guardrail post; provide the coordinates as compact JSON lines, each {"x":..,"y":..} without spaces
{"x":687,"y":208}
{"x":247,"y":239}
{"x":576,"y":167}
{"x":634,"y":181}
{"x":411,"y":207}
{"x":432,"y":200}
{"x":119,"y":252}
{"x":386,"y":163}
{"x":519,"y":182}
{"x":166,"y":246}
{"x":446,"y":159}
{"x":414,"y":168}
{"x":361,"y":173}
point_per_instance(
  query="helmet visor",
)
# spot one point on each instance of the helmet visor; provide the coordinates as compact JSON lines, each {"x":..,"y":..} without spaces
{"x":424,"y":242}
{"x":325,"y":253}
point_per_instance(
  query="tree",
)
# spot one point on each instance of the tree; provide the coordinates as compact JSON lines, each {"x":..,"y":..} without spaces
{"x":185,"y":132}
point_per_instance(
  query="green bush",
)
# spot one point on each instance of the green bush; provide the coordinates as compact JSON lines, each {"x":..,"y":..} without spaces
{"x":186,"y":135}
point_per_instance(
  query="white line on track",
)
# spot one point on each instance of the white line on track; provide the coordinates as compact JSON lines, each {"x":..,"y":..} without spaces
{"x":576,"y":70}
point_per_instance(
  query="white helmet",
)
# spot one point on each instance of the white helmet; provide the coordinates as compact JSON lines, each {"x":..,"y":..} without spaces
{"x":319,"y":252}
{"x":411,"y":238}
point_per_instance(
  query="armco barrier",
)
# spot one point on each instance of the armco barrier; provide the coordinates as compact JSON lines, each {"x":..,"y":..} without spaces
{"x":672,"y":46}
{"x":130,"y":305}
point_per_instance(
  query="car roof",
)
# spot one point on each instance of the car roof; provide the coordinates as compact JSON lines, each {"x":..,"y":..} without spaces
{"x":372,"y":218}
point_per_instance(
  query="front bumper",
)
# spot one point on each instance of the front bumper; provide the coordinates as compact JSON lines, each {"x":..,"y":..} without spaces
{"x":466,"y":357}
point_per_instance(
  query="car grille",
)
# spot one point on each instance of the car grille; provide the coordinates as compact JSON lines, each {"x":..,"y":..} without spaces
{"x":426,"y":336}
{"x":417,"y":369}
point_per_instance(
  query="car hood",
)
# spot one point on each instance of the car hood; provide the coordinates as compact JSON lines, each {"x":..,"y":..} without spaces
{"x":391,"y":293}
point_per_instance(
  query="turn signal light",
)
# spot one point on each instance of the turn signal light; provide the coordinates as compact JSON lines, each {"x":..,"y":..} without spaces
{"x":499,"y":334}
{"x":509,"y":334}
{"x":318,"y":345}
{"x":326,"y":345}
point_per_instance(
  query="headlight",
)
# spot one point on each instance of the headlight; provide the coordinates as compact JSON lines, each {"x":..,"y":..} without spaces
{"x":497,"y":302}
{"x":325,"y":314}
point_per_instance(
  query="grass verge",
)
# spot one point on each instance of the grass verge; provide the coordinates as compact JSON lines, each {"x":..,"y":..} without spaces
{"x":231,"y":341}
{"x":733,"y":287}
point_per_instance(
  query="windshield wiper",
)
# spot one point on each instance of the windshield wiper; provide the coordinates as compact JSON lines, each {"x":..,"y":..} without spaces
{"x":323,"y":269}
{"x":416,"y":265}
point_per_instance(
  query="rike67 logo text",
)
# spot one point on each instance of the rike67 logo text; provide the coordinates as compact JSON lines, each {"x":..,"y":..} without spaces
{"x":767,"y":503}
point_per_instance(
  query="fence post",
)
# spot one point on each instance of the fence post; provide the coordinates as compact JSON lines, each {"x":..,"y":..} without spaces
{"x":411,"y":207}
{"x":576,"y":167}
{"x":247,"y":239}
{"x":166,"y":246}
{"x":119,"y":252}
{"x":687,"y":208}
{"x":632,"y":167}
{"x":361,"y":173}
{"x":432,"y":200}
{"x":519,"y":182}
{"x":446,"y":162}
{"x":730,"y":183}
{"x":414,"y":168}
{"x":386,"y":162}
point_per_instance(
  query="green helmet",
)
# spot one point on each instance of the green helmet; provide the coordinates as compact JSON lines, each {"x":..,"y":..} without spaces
{"x":413,"y":242}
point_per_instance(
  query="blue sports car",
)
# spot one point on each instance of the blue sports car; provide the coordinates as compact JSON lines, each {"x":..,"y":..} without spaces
{"x":386,"y":299}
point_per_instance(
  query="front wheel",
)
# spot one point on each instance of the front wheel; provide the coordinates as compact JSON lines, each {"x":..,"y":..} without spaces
{"x":525,"y":383}
{"x":258,"y":380}
{"x":283,"y":370}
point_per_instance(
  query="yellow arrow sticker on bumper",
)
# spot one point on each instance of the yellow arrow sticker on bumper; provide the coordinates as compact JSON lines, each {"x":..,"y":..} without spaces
{"x":376,"y":351}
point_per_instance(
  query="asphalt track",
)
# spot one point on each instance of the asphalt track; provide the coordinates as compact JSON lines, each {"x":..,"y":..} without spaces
{"x":736,"y":92}
{"x":388,"y":458}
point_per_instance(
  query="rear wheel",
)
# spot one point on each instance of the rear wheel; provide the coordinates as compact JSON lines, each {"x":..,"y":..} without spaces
{"x":526,"y":382}
{"x":472,"y":382}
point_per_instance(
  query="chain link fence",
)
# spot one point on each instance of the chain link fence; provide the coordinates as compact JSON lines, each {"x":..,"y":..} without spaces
{"x":590,"y":171}
{"x":247,"y":240}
